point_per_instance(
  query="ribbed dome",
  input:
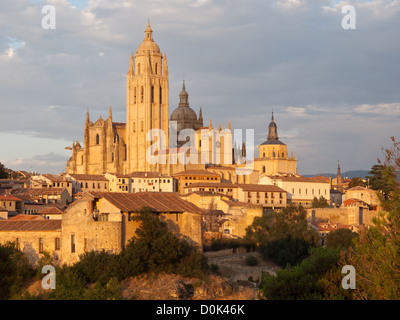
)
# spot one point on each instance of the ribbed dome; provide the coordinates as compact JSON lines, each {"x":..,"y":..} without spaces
{"x":183,"y":113}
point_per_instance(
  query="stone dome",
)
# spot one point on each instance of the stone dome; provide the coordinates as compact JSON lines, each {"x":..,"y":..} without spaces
{"x":183,"y":113}
{"x":148,"y":43}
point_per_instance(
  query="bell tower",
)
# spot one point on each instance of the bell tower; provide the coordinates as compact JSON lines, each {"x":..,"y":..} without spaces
{"x":147,"y":102}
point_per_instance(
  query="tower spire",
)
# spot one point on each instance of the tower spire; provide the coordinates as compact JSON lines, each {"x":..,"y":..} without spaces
{"x":272,"y":129}
{"x":148,"y":32}
{"x":87,"y":116}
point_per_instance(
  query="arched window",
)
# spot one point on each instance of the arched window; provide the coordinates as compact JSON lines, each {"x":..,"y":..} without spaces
{"x":141,"y":94}
{"x":156,"y":68}
{"x":263,"y":170}
{"x":160,"y":95}
{"x":134,"y":95}
{"x":112,"y":157}
{"x":97,"y":139}
{"x":152,"y":94}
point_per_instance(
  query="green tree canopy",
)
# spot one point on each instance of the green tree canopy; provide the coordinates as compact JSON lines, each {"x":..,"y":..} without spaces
{"x":317,"y":277}
{"x":356,"y":181}
{"x":320,"y":202}
{"x":378,"y":180}
{"x":340,"y":238}
{"x":3,"y":171}
{"x":376,"y":254}
{"x":285,"y":236}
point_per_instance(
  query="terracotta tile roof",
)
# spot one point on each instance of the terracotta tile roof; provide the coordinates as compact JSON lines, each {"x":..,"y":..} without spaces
{"x":212,"y":185}
{"x":51,"y":210}
{"x":147,"y":174}
{"x":199,"y":172}
{"x":162,"y":202}
{"x":92,"y":177}
{"x":30,"y":225}
{"x":260,"y":188}
{"x":318,"y":179}
{"x":41,"y":191}
{"x":220,"y":168}
{"x":25,"y":217}
{"x":8,"y":197}
{"x":54,"y":178}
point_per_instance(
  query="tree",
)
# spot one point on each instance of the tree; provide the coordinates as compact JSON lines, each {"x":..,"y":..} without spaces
{"x":156,"y":249}
{"x":14,"y":270}
{"x":378,"y":180}
{"x":355,"y":182}
{"x":319,"y":203}
{"x":317,"y":277}
{"x":340,"y":238}
{"x":284,"y":237}
{"x":376,"y":254}
{"x":3,"y":171}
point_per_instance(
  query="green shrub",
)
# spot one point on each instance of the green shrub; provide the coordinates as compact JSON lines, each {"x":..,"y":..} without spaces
{"x":251,"y":260}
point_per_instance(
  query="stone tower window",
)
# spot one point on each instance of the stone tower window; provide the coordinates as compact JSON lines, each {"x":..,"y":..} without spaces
{"x":138,"y":68}
{"x":141,"y":94}
{"x":134,"y":95}
{"x":152,"y":94}
{"x":97,"y":139}
{"x":160,"y":95}
{"x":72,"y":243}
{"x":156,"y":68}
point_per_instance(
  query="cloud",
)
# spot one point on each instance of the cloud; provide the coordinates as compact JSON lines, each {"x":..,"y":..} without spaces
{"x":240,"y":60}
{"x":387,"y":109}
{"x":45,"y":163}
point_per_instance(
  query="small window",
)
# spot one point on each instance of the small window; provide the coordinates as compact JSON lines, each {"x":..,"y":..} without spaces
{"x":97,"y":139}
{"x":57,"y":244}
{"x":72,"y":243}
{"x":40,"y":245}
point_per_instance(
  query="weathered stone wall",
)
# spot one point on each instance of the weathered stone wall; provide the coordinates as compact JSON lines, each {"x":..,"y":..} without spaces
{"x":90,"y":235}
{"x":344,"y":215}
{"x":29,"y":243}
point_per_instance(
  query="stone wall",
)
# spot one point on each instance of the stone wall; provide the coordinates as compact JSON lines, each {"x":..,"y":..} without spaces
{"x":29,"y":243}
{"x":343,"y":215}
{"x":90,"y":235}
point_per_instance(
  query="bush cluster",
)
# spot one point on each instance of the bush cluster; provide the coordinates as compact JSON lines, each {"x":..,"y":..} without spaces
{"x":154,"y":249}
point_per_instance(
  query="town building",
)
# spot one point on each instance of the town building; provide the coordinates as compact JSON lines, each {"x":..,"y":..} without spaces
{"x":300,"y":190}
{"x":273,"y":155}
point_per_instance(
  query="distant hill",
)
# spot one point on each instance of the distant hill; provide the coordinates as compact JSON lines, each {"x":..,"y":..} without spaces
{"x":348,"y":174}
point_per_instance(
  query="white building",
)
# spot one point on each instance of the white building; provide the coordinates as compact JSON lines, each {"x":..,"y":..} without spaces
{"x":300,"y":190}
{"x":151,"y":181}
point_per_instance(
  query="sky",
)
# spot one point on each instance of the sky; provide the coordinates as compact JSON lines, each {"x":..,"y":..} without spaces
{"x":335,"y":92}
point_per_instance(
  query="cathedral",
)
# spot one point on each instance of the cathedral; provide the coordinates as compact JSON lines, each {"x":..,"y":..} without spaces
{"x":150,"y":140}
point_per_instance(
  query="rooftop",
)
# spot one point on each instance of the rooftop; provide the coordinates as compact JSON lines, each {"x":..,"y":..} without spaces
{"x":92,"y":177}
{"x":30,"y":225}
{"x":160,"y":202}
